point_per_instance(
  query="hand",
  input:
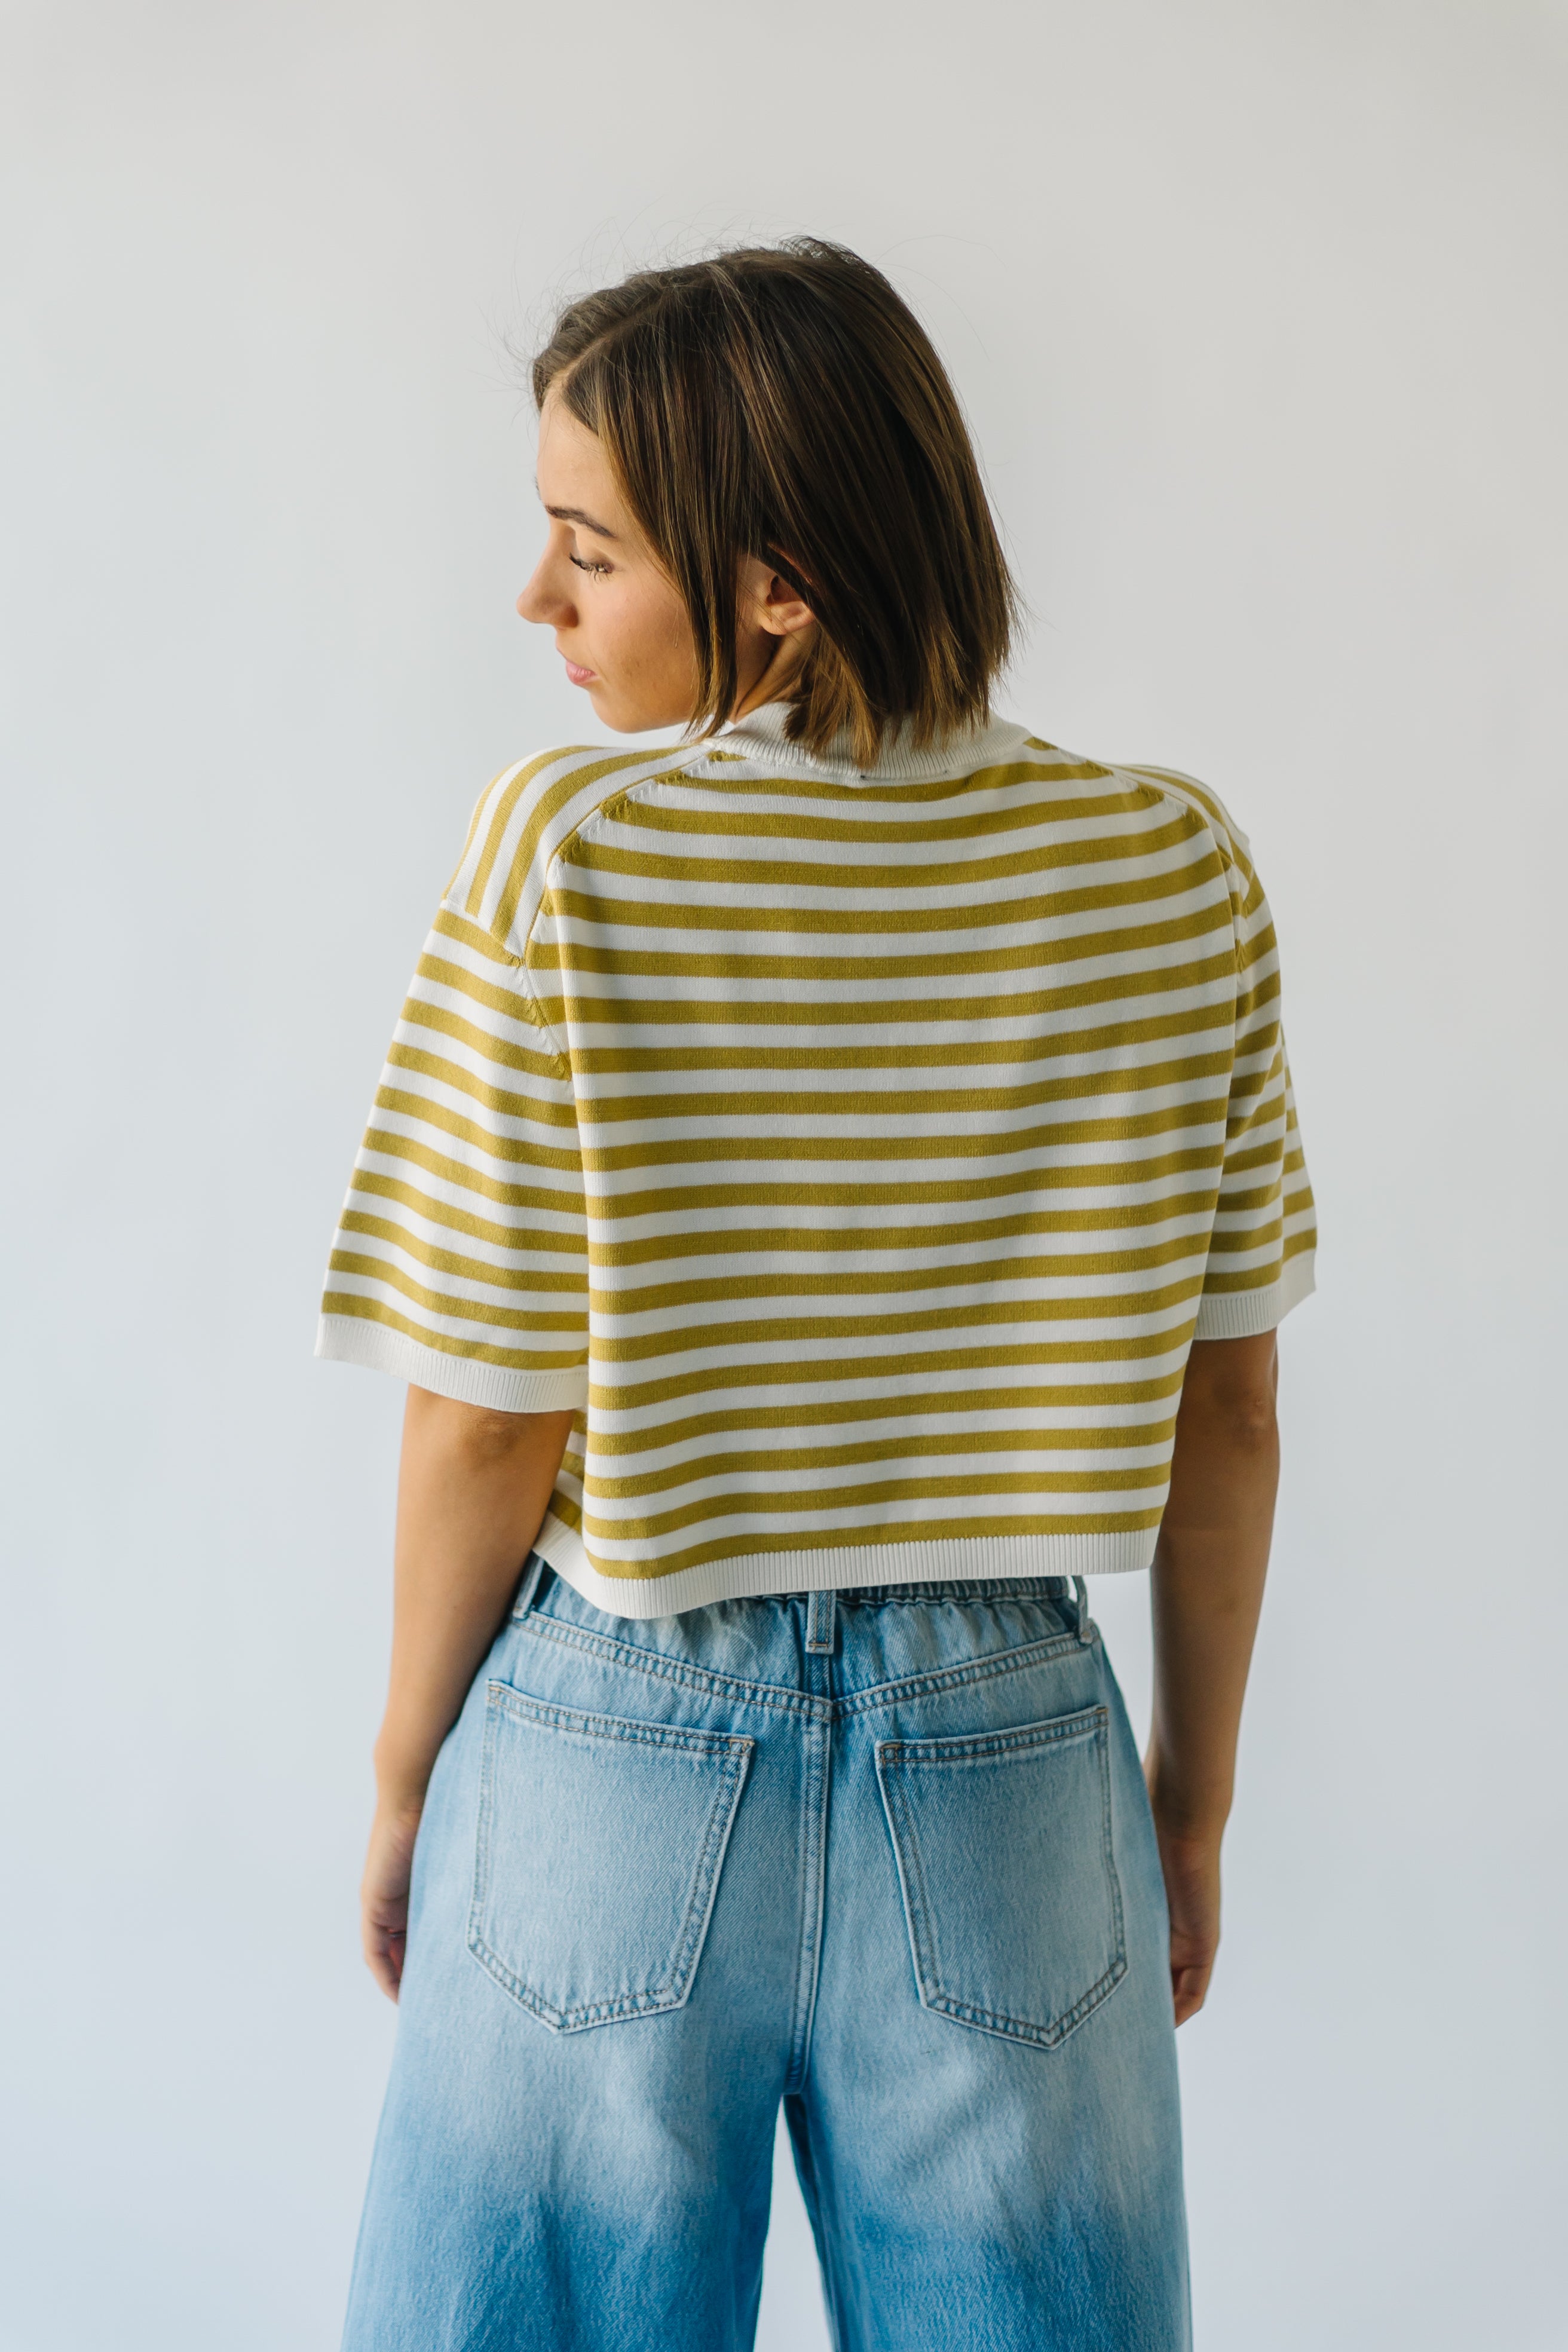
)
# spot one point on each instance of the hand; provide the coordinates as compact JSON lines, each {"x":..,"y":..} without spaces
{"x":383,"y":1894}
{"x":1191,"y":1869}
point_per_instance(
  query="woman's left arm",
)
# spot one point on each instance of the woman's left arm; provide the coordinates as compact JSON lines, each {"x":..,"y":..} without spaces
{"x":473,"y":1490}
{"x":1206,"y":1591}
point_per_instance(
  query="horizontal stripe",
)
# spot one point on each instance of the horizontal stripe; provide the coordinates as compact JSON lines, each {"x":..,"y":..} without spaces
{"x":590,"y":942}
{"x":1047,"y":1349}
{"x":921,"y":1407}
{"x":855,"y":1154}
{"x":749,"y":914}
{"x":766,"y":1008}
{"x":733,"y":1466}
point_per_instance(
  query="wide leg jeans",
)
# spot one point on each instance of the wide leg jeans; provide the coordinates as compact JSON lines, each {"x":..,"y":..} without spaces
{"x":885,"y":1855}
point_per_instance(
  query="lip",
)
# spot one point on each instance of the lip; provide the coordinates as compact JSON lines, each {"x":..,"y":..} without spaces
{"x":578,"y":676}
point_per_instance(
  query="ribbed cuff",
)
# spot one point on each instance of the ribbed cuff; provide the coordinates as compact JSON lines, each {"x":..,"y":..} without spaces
{"x":1243,"y":1313}
{"x":347,"y":1339}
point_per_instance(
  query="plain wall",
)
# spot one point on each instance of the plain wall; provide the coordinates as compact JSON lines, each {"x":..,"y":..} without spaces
{"x":1258,"y":312}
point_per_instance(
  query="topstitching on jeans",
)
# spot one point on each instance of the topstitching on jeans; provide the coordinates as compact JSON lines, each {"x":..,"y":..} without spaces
{"x":679,"y":1671}
{"x":778,"y":1696}
{"x":1091,"y":1724}
{"x":731,"y":1752}
{"x":973,"y":1670}
{"x":597,"y":1726}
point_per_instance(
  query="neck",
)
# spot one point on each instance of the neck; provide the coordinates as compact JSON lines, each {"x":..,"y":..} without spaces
{"x":780,"y":673}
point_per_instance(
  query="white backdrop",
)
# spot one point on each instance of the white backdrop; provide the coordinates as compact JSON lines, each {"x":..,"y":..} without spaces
{"x":1258,"y":309}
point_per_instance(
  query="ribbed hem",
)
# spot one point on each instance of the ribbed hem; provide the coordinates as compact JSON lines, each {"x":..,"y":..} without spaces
{"x":754,"y":1574}
{"x":1243,"y":1313}
{"x":346,"y":1340}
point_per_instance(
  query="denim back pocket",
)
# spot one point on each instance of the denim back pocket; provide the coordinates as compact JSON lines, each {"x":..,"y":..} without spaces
{"x":1010,"y":1889}
{"x":599,"y":1850}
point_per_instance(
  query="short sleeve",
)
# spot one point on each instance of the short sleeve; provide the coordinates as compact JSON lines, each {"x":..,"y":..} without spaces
{"x":1264,"y":1238}
{"x":460,"y":1261}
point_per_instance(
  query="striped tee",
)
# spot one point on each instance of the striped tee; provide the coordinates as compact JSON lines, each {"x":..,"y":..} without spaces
{"x":857,"y":1153}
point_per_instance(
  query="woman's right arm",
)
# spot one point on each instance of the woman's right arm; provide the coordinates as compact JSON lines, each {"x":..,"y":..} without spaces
{"x":472,"y":1491}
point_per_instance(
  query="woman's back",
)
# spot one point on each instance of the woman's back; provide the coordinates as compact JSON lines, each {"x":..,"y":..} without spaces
{"x":857,"y":1152}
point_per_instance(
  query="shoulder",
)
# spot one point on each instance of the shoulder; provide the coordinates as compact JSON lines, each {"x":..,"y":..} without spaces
{"x":1141,"y":778}
{"x":1202,"y":802}
{"x":1248,"y":901}
{"x":525,"y":817}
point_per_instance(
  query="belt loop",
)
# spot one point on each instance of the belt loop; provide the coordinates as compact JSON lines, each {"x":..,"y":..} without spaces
{"x":534,"y":1570}
{"x":1085,"y":1622}
{"x":821,"y":1621}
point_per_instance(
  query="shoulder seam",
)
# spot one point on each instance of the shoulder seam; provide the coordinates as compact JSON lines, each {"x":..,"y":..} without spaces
{"x":618,"y":793}
{"x":1182,"y":794}
{"x":1187,"y":793}
{"x":1165,"y":788}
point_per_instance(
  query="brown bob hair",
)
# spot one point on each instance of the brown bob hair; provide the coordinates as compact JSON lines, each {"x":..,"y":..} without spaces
{"x":783,"y":402}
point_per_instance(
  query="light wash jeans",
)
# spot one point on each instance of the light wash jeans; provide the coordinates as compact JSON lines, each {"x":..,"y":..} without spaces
{"x":884,"y":1855}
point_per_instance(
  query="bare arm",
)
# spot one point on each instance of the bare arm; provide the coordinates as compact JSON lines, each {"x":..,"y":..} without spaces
{"x":472,"y":1491}
{"x":1207,"y":1590}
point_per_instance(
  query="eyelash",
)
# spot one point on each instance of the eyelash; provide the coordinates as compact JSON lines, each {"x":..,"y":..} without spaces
{"x":599,"y":569}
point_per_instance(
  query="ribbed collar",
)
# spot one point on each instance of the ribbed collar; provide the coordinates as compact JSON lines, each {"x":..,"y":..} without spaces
{"x":760,"y":735}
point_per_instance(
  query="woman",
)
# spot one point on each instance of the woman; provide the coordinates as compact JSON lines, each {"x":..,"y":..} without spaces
{"x":833,"y":1188}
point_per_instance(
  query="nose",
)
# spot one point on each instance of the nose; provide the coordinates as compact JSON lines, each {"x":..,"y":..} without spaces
{"x":542,"y":600}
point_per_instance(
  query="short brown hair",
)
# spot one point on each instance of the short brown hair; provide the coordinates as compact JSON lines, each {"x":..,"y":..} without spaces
{"x":783,"y":402}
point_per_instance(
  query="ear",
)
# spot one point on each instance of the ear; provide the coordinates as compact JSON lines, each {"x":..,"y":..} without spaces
{"x":770,"y":603}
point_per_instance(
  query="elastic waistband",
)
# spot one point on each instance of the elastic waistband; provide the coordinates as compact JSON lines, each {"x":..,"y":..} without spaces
{"x":1001,"y":1588}
{"x":541,"y":1581}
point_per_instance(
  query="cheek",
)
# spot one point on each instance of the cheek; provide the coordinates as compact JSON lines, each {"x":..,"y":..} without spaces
{"x":653,"y":635}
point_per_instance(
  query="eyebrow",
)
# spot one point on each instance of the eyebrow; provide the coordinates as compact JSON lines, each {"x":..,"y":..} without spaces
{"x":575,"y":514}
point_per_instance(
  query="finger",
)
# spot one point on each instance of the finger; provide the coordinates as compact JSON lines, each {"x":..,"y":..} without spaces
{"x":1189,"y":1990}
{"x":385,"y":1968}
{"x":383,"y":1955}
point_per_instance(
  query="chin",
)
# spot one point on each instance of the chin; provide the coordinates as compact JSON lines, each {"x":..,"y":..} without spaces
{"x":611,"y":713}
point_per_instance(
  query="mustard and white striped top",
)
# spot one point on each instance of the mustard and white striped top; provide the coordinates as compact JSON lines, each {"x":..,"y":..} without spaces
{"x":857,"y":1152}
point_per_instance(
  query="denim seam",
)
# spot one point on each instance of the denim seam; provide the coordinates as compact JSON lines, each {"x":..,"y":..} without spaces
{"x":675,"y":1670}
{"x":732,"y":1752}
{"x":1019,"y":2028}
{"x":788,"y":1702}
{"x":1092,"y":1722}
{"x":671,"y":1996}
{"x":614,"y":1726}
{"x":1088,"y":1723}
{"x":921,"y":1912}
{"x":945,"y":1678}
{"x":816,"y":1796}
